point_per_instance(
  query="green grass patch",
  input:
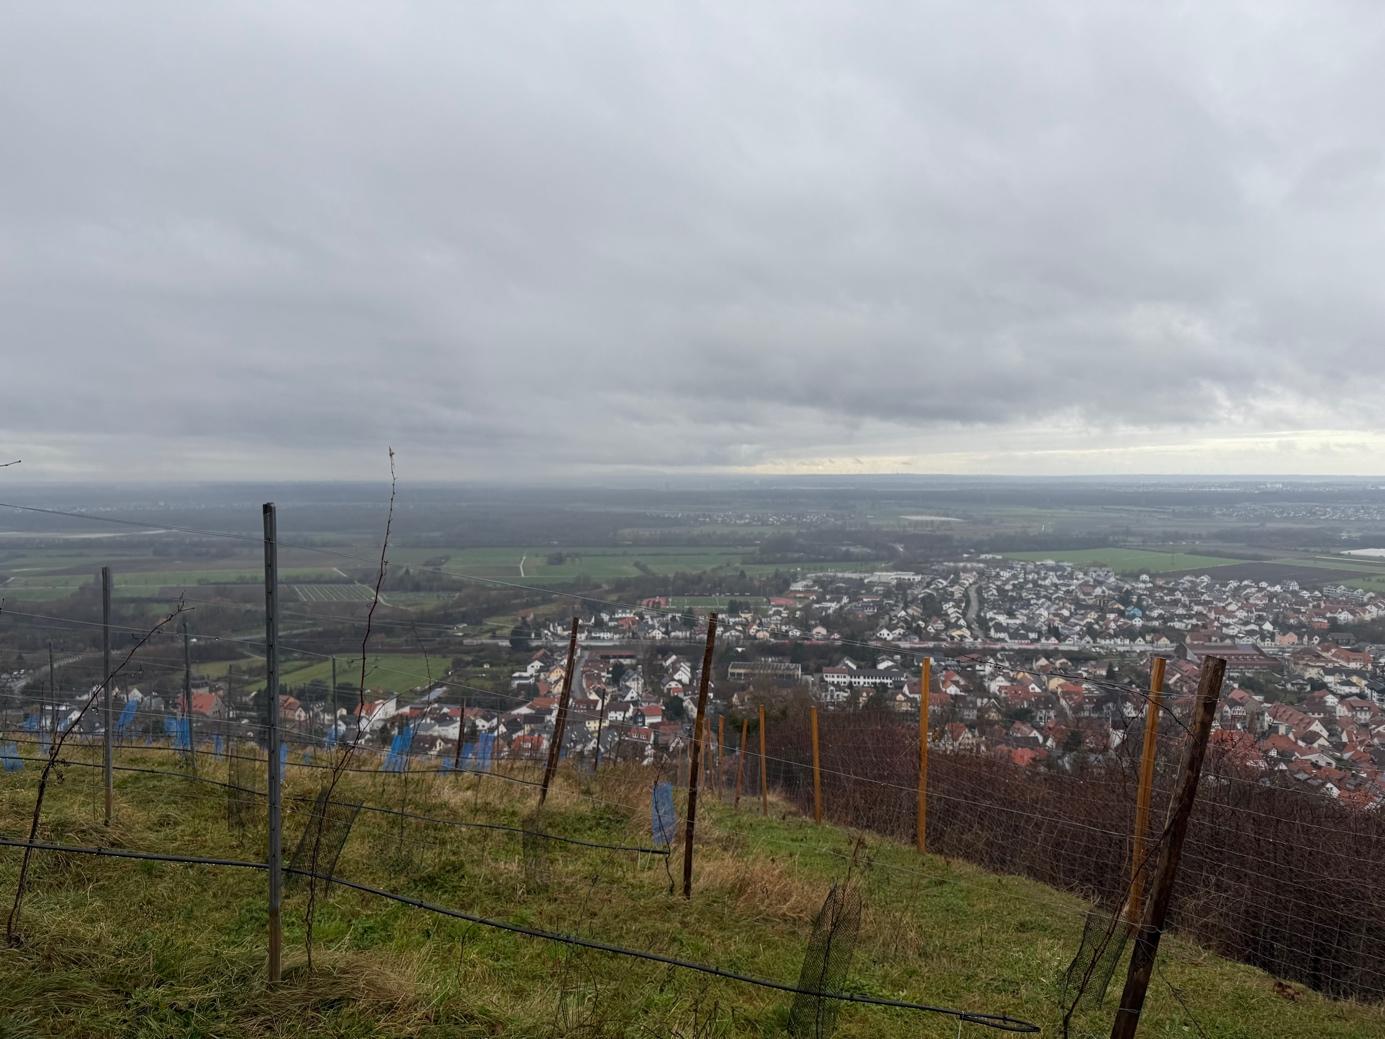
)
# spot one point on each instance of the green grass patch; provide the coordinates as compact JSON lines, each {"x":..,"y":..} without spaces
{"x":398,"y":672}
{"x":121,"y":948}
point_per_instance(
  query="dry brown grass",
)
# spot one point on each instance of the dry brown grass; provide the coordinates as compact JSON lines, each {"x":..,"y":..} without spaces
{"x":379,"y":986}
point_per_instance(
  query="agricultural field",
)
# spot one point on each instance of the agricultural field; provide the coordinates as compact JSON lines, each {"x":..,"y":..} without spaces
{"x":1131,"y":560}
{"x":544,"y":564}
{"x":331,"y":593}
{"x":398,"y":672}
{"x":713,"y":602}
{"x":212,"y":669}
{"x":134,"y":583}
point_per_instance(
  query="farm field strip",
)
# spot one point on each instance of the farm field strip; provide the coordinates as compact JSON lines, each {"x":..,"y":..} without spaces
{"x":332,"y":592}
{"x":1131,"y":560}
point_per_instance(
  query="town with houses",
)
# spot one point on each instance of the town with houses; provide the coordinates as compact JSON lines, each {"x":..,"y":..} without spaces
{"x":1032,"y":662}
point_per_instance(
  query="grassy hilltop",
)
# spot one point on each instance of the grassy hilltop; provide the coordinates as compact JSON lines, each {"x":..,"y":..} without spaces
{"x":127,"y":948}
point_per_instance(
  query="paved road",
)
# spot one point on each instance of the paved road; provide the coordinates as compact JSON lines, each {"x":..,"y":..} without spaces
{"x":60,"y":662}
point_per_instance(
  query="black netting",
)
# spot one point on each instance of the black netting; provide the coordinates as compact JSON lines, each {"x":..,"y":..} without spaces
{"x":329,"y":825}
{"x":243,"y":798}
{"x":1099,"y":953}
{"x":537,"y":853}
{"x":826,"y":962}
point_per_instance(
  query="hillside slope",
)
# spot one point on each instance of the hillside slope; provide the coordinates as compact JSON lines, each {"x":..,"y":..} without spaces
{"x":131,"y":948}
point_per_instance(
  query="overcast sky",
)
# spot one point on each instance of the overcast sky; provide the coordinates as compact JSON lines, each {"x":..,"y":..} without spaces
{"x":513,"y":238}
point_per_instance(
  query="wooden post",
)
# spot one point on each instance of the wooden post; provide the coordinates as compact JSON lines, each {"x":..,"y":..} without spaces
{"x":817,"y":767}
{"x":1135,"y":907}
{"x":925,"y":682}
{"x":721,"y":742}
{"x":187,"y":696}
{"x":600,"y":727}
{"x":108,"y":715}
{"x":332,"y":703}
{"x":461,"y":738}
{"x":740,"y":761}
{"x":275,"y":856}
{"x":764,"y":773}
{"x":1175,"y":830}
{"x":560,"y":722}
{"x":52,"y":695}
{"x":695,"y":761}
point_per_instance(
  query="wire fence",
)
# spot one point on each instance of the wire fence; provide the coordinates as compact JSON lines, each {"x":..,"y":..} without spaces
{"x":1270,"y":875}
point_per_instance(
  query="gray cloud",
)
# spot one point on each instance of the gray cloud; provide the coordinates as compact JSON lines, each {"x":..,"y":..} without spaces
{"x":510,"y":239}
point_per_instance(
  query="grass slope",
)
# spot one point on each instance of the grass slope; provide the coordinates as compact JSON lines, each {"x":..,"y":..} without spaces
{"x":120,"y":948}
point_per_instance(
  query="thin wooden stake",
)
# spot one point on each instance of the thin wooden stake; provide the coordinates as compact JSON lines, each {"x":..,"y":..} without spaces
{"x":699,"y":723}
{"x":600,"y":725}
{"x":764,"y":777}
{"x":1136,"y":905}
{"x":817,"y":767}
{"x":275,"y":857}
{"x":52,"y":694}
{"x":1175,"y":830}
{"x":108,"y":715}
{"x":740,"y":761}
{"x":187,"y":696}
{"x":332,"y":704}
{"x":721,"y":742}
{"x":560,"y":722}
{"x":461,"y":738}
{"x":925,"y":682}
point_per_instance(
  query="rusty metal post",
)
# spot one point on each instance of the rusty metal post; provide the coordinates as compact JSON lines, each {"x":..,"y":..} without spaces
{"x":721,"y":742}
{"x":1175,"y":831}
{"x":1136,"y":905}
{"x":764,"y":772}
{"x":740,"y":761}
{"x":699,"y":723}
{"x":560,"y":722}
{"x":925,"y":683}
{"x":817,"y":767}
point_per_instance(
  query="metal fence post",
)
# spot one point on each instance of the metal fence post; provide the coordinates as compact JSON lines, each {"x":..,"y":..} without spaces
{"x":560,"y":722}
{"x":108,"y":716}
{"x":1152,"y":925}
{"x":275,"y":857}
{"x":699,"y":724}
{"x":925,"y":681}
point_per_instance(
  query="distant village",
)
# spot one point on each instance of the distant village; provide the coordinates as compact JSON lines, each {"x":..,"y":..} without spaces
{"x":1031,"y":663}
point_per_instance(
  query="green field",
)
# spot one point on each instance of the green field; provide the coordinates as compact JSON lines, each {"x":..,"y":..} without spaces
{"x":1346,"y":564}
{"x":218,"y":668}
{"x":113,"y":947}
{"x":601,"y":563}
{"x":1130,"y":560}
{"x":713,"y":602}
{"x":144,"y":584}
{"x":398,"y":672}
